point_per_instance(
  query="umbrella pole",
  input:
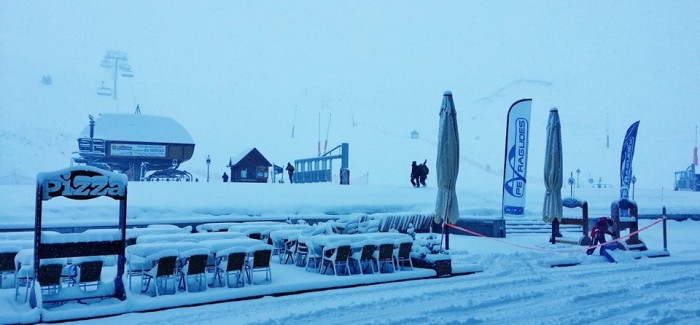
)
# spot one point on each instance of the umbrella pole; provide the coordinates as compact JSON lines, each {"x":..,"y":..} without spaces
{"x":446,"y":230}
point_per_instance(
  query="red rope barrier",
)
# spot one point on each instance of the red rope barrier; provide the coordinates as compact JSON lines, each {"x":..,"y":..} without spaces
{"x":541,"y":250}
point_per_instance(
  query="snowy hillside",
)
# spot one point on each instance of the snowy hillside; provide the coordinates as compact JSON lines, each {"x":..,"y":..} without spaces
{"x":253,"y":77}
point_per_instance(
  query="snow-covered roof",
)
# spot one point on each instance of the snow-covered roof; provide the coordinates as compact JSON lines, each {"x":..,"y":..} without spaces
{"x":139,"y":128}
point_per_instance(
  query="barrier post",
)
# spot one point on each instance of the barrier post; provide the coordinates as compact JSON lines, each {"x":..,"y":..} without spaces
{"x":663,"y":212}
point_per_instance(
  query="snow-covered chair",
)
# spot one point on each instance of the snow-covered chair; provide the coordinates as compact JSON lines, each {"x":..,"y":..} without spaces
{"x":337,"y":256}
{"x":87,"y":272}
{"x":384,"y":255}
{"x":254,"y":234}
{"x":290,"y":250}
{"x":260,"y":261}
{"x":49,"y":278}
{"x":402,"y":253}
{"x":164,"y":268}
{"x":231,"y":261}
{"x":364,"y":257}
{"x":7,"y":261}
{"x":314,"y":256}
{"x":301,"y":254}
{"x":194,"y":263}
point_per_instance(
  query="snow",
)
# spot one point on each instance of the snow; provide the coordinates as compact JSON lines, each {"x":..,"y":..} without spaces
{"x":514,"y":274}
{"x":138,"y":128}
{"x":238,"y":75}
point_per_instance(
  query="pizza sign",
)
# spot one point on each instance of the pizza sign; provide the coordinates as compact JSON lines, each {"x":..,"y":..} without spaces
{"x":82,"y":183}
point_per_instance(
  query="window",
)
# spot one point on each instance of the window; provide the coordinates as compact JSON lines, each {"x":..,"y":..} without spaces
{"x":244,"y":173}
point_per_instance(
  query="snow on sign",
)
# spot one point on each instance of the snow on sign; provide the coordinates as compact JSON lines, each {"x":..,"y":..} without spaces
{"x":81,"y":183}
{"x":137,"y":150}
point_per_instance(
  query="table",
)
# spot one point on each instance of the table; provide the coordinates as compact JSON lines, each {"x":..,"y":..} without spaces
{"x":216,"y":245}
{"x":195,"y":237}
{"x":325,"y":240}
{"x":222,"y":226}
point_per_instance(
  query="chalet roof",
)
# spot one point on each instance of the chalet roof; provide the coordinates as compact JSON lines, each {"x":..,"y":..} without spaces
{"x":138,"y":128}
{"x":245,"y":153}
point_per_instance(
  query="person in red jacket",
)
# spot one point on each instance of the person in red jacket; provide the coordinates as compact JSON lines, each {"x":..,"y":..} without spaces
{"x":603,"y":226}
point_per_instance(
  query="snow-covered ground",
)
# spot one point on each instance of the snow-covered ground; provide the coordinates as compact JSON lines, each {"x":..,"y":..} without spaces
{"x":516,"y":285}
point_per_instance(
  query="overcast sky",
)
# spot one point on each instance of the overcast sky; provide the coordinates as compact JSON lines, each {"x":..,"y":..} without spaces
{"x":252,"y":71}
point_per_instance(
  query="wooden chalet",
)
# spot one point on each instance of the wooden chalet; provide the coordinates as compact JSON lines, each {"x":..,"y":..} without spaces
{"x":250,"y":166}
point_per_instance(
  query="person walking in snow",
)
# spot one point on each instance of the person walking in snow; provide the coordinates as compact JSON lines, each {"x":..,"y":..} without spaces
{"x":415,"y":174}
{"x":423,"y":172}
{"x":224,"y":177}
{"x":600,"y":228}
{"x":290,"y":171}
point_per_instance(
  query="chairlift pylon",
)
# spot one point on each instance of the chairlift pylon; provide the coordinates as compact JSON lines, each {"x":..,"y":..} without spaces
{"x":104,"y":91}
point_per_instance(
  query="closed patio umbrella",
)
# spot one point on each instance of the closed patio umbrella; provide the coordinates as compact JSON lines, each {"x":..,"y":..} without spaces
{"x":553,"y":174}
{"x":447,"y":163}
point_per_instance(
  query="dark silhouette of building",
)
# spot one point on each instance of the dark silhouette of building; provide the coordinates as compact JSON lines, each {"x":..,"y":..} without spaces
{"x":250,"y":166}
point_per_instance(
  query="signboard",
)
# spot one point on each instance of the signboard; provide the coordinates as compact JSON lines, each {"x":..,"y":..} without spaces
{"x":82,"y":183}
{"x":515,"y":163}
{"x":137,"y":150}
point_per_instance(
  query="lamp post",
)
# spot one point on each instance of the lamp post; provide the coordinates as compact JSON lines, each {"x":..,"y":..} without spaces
{"x":571,"y":182}
{"x":208,"y":163}
{"x":634,"y":180}
{"x":578,"y":173}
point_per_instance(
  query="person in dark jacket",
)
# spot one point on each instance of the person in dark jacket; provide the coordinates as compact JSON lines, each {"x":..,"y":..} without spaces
{"x":415,"y":174}
{"x":290,"y":171}
{"x":423,"y":172}
{"x":224,"y":177}
{"x":600,"y":228}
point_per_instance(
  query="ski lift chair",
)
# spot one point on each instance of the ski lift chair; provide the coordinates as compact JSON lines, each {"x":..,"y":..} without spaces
{"x":364,"y":257}
{"x":86,"y":272}
{"x":164,"y":269}
{"x":337,"y":256}
{"x":104,"y":91}
{"x":194,"y":265}
{"x":384,"y":256}
{"x":231,"y":261}
{"x":260,"y":263}
{"x":402,"y":253}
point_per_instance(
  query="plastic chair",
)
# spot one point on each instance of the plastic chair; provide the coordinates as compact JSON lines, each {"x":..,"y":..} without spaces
{"x":231,"y":261}
{"x":301,"y":254}
{"x":194,"y":263}
{"x":260,"y":263}
{"x":7,"y":261}
{"x":24,"y":272}
{"x":290,"y":249}
{"x":314,"y":255}
{"x":87,"y":272}
{"x":50,"y":278}
{"x":164,"y":269}
{"x":402,"y":254}
{"x":337,"y":255}
{"x":384,"y":256}
{"x":365,"y":257}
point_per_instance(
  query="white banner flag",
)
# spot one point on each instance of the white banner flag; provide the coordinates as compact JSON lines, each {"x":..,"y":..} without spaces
{"x":515,"y":162}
